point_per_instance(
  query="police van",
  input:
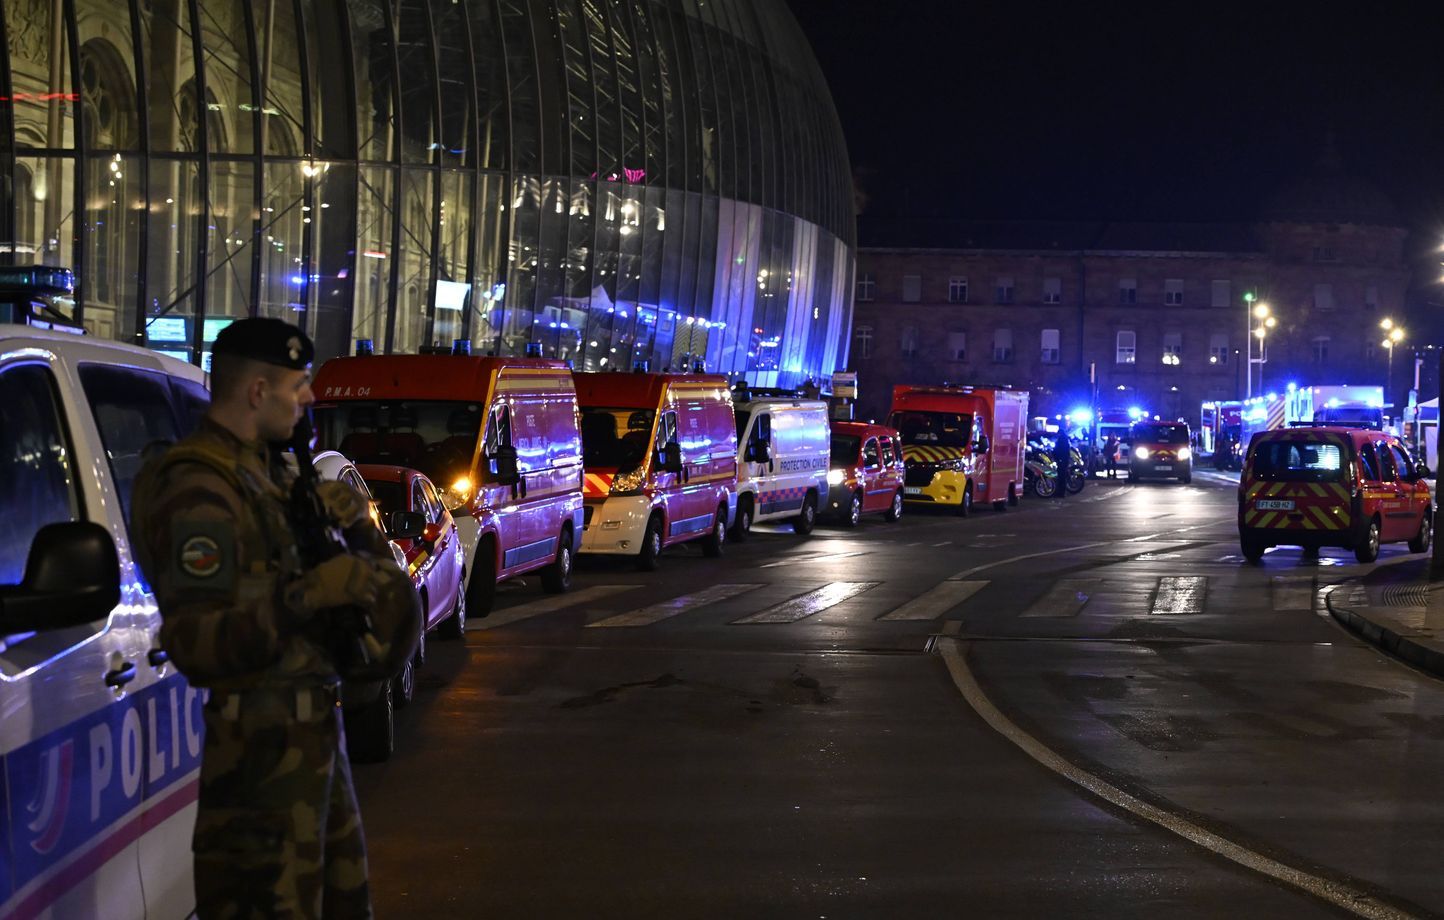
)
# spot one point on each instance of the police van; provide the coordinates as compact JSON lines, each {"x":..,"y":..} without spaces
{"x":100,"y":738}
{"x":783,"y":449}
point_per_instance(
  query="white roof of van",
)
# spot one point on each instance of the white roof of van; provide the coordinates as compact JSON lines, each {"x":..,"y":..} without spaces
{"x":14,"y":337}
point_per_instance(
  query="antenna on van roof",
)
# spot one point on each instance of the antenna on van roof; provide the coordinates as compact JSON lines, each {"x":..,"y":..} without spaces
{"x":533,"y":350}
{"x":365,"y":348}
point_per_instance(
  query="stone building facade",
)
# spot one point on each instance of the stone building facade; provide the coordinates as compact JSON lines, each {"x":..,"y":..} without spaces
{"x":1152,"y":315}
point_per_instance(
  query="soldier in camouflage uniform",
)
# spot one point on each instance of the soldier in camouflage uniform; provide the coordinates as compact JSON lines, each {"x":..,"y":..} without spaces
{"x":277,"y":829}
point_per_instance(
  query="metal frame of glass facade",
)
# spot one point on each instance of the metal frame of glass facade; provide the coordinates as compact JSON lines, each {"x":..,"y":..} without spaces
{"x":617,"y":180}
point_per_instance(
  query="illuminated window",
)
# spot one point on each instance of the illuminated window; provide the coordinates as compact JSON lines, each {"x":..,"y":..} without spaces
{"x":1126,"y":351}
{"x":1173,"y":348}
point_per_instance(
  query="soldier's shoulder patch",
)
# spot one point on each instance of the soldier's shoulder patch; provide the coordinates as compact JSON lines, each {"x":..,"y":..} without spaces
{"x":203,"y":553}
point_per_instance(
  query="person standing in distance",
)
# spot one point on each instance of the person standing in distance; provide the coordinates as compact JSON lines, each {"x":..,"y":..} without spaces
{"x":277,"y":828}
{"x":1110,"y":454}
{"x":1063,"y":456}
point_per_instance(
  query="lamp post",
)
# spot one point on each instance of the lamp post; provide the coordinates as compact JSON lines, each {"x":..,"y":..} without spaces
{"x":1393,"y":335}
{"x":1259,"y":321}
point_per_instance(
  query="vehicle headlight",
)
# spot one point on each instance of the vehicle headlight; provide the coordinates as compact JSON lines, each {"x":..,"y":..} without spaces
{"x":629,"y":482}
{"x":457,"y":494}
{"x":1184,"y":453}
{"x":1141,"y":453}
{"x":836,"y":477}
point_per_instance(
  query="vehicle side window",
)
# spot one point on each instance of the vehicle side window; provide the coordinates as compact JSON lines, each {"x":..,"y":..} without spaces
{"x":1401,"y":460}
{"x":419,"y":502}
{"x":870,"y":457}
{"x":667,"y":429}
{"x":1370,"y":462}
{"x":354,"y":480}
{"x":36,"y":465}
{"x":1386,"y":464}
{"x":885,"y":450}
{"x":498,"y":430}
{"x":191,"y":401}
{"x":132,"y":409}
{"x":438,"y":510}
{"x":897,"y":453}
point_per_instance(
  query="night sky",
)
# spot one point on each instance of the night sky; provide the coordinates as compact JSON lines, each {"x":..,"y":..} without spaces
{"x":1116,"y":111}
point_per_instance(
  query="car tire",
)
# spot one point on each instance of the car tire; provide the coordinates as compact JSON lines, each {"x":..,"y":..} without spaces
{"x":714,"y":543}
{"x":965,"y":507}
{"x":419,"y":659}
{"x":742,"y":527}
{"x":403,"y":685}
{"x":371,"y":729}
{"x":807,"y":518}
{"x":895,"y":511}
{"x":1368,"y":548}
{"x":853,"y":517}
{"x":1252,"y":547}
{"x":1421,"y":541}
{"x":557,"y":576}
{"x":650,"y":555}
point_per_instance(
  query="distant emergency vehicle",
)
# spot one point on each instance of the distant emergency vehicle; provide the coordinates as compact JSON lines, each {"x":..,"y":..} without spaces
{"x":661,"y":463}
{"x":962,"y":444}
{"x":782,"y":460}
{"x":1160,"y":449}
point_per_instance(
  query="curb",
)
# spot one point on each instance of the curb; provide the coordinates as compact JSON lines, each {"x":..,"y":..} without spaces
{"x":1406,"y":649}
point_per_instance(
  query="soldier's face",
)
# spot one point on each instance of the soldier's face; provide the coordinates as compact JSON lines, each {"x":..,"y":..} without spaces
{"x":286,"y":397}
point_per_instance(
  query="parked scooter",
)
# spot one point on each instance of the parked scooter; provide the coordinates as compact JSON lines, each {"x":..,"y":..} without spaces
{"x":1040,"y":472}
{"x":1077,"y":472}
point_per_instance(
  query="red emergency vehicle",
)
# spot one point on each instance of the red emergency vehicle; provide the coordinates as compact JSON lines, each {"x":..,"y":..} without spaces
{"x":867,"y":472}
{"x":499,"y":438}
{"x":961,"y":444}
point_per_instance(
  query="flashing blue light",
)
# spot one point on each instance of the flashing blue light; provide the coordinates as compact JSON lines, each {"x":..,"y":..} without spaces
{"x":1135,"y":413}
{"x":1333,"y":403}
{"x":1273,"y":397}
{"x":298,"y":279}
{"x":1292,"y":386}
{"x":1080,"y":416}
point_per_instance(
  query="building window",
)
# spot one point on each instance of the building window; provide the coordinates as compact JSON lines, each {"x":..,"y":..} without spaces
{"x":866,"y":287}
{"x":1051,"y":352}
{"x":1222,"y":294}
{"x":958,"y":346}
{"x":909,"y":341}
{"x":1003,"y":346}
{"x":1052,"y":290}
{"x":1321,"y":349}
{"x":957,"y":290}
{"x":1173,"y":292}
{"x":1325,"y":254}
{"x":1217,"y":348}
{"x":1323,"y":297}
{"x":912,"y":288}
{"x":863,"y":335}
{"x":1003,"y":291}
{"x":1173,"y":348}
{"x":1127,"y":349}
{"x":1371,"y":297}
{"x":1128,"y":290}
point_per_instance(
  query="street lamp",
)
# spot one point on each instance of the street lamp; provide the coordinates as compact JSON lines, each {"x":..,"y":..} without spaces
{"x":1393,"y":335}
{"x":1259,"y":321}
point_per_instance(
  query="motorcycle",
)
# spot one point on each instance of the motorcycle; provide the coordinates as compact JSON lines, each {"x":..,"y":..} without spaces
{"x":1077,"y":473}
{"x":1040,"y":473}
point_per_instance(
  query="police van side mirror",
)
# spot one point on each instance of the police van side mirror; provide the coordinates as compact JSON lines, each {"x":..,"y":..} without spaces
{"x":508,"y":470}
{"x":672,"y":458}
{"x":405,"y":525}
{"x":72,"y":577}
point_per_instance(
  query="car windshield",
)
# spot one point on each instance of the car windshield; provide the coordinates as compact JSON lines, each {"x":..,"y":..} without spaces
{"x":938,"y":429}
{"x":844,"y":449}
{"x":1160,"y":434}
{"x":1298,"y":461}
{"x":387,"y":494}
{"x":436,"y":437}
{"x":616,"y":438}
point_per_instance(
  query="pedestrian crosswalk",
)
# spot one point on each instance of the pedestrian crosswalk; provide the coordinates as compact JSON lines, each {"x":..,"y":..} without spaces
{"x":1071,"y":597}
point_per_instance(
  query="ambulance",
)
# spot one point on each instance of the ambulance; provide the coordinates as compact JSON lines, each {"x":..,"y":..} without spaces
{"x":100,"y":737}
{"x":661,"y":462}
{"x":498,"y":436}
{"x":782,"y":460}
{"x":962,"y":444}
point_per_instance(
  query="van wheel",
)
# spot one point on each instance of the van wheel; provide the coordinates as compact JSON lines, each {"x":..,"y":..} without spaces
{"x":1012,"y":493}
{"x":712,"y":544}
{"x":854,"y":511}
{"x":1425,"y":536}
{"x":1253,"y":548}
{"x":895,"y":511}
{"x":651,"y":545}
{"x":743,"y":526}
{"x":1368,"y":548}
{"x":557,"y":577}
{"x":371,"y":729}
{"x":965,"y":507}
{"x":807,"y":518}
{"x":480,"y":592}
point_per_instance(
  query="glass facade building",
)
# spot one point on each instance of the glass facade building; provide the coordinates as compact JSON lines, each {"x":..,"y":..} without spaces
{"x":616,"y":180}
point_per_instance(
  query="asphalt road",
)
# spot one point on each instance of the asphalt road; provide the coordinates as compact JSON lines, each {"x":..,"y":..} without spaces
{"x":778,"y":733}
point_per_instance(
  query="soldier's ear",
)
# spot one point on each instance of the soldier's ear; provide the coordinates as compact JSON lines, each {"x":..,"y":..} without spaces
{"x":257,"y":390}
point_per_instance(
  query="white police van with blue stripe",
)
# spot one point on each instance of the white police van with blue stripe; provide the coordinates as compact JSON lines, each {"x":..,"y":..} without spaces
{"x":100,"y":738}
{"x":783,"y":445}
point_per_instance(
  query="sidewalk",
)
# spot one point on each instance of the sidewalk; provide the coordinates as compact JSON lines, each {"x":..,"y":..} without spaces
{"x":1399,"y":610}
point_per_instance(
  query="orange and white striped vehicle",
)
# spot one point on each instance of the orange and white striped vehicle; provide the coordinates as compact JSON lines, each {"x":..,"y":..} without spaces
{"x":1312,"y":487}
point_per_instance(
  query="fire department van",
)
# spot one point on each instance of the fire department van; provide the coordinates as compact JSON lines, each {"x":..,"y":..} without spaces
{"x":661,"y":462}
{"x":782,"y":460}
{"x":961,"y":444}
{"x":100,"y":738}
{"x":498,"y":436}
{"x":1348,"y":487}
{"x":1160,"y":449}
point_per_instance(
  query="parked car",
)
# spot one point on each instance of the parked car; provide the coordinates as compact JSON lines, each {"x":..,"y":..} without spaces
{"x":867,"y":472}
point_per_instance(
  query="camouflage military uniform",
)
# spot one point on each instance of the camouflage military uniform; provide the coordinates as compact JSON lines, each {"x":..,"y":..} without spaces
{"x":277,"y":830}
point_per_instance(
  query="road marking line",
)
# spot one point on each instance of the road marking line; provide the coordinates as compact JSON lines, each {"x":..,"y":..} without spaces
{"x":1180,"y":594}
{"x":944,"y":543}
{"x":546,"y":605}
{"x":936,"y":602}
{"x":656,"y":613}
{"x":818,"y":557}
{"x":1293,"y":592}
{"x":1074,"y":548}
{"x":811,"y":603}
{"x":1065,"y":599}
{"x":1354,"y":900}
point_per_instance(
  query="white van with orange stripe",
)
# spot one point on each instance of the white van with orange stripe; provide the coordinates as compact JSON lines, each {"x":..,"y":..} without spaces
{"x":1329,"y":486}
{"x":661,"y":462}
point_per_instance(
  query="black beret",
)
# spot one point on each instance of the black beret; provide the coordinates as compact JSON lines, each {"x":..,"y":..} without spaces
{"x":271,"y":341}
